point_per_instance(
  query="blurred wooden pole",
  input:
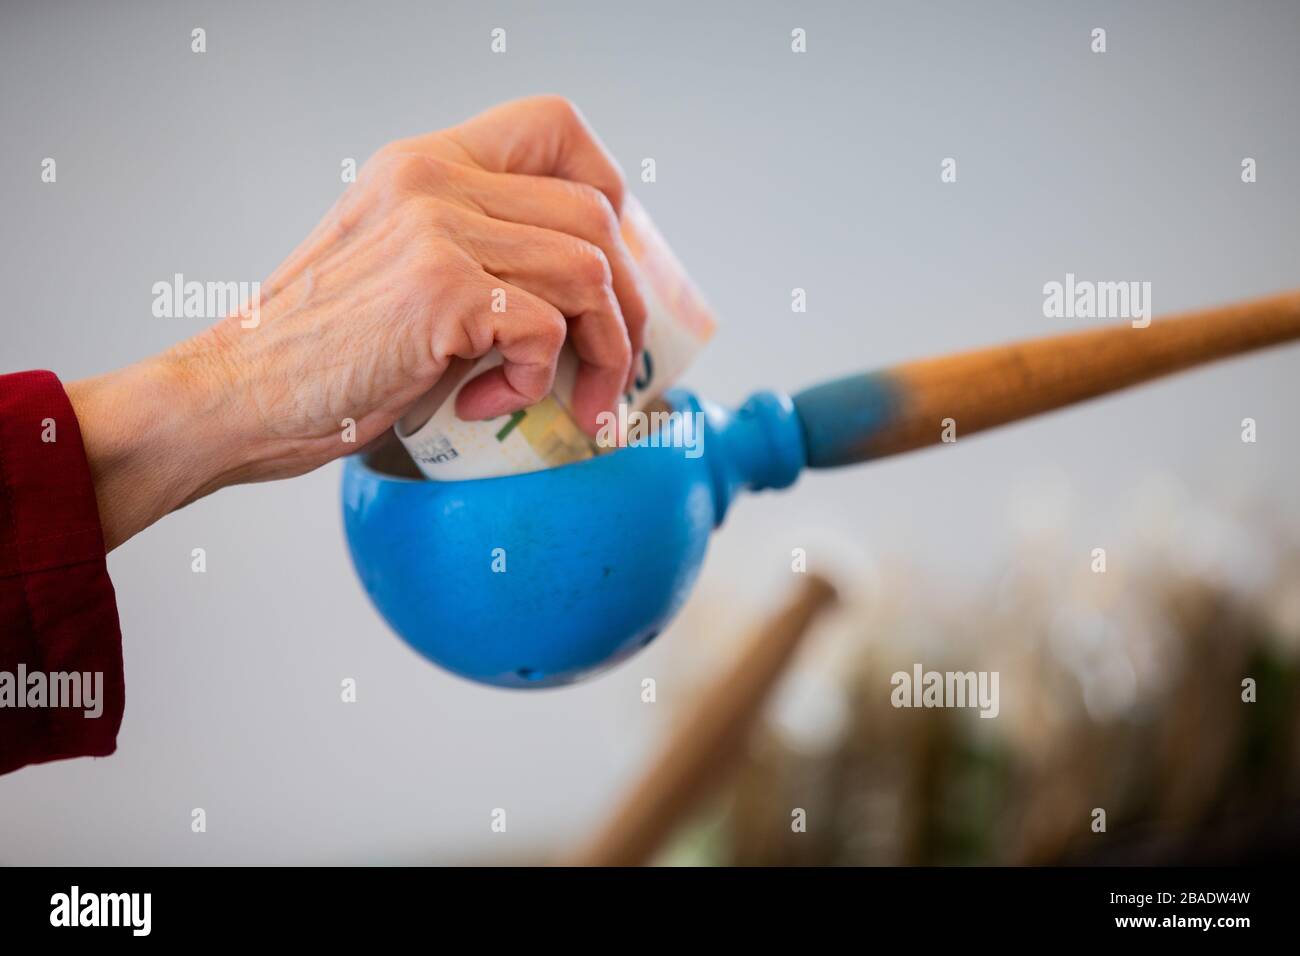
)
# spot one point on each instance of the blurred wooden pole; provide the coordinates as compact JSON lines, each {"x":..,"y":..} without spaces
{"x":706,"y":743}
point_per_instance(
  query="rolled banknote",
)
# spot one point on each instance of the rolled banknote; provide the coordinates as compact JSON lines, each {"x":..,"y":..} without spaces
{"x":545,"y":435}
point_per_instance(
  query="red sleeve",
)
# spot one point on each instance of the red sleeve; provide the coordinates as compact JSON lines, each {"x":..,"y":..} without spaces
{"x":58,"y":613}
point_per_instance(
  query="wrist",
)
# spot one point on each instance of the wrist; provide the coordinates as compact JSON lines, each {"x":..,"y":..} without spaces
{"x":149,"y":436}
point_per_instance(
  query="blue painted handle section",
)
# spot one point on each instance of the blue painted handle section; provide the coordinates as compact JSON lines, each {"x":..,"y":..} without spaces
{"x":840,"y":417}
{"x":756,"y":447}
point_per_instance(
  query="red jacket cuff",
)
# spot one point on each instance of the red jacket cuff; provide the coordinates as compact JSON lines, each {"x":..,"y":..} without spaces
{"x":60,"y":640}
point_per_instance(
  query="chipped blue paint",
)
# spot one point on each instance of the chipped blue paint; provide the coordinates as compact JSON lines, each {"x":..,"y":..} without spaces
{"x":839,"y":417}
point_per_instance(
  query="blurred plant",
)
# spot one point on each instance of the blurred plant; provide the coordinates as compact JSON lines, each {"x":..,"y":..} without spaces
{"x":1120,"y":690}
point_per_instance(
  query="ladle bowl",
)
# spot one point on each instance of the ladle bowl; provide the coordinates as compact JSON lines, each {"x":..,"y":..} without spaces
{"x":541,"y":579}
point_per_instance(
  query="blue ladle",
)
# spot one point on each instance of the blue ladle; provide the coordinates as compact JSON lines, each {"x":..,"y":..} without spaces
{"x":543,"y":579}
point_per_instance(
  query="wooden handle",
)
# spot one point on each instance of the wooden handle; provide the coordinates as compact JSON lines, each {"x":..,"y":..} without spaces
{"x":883,"y":413}
{"x":708,"y":740}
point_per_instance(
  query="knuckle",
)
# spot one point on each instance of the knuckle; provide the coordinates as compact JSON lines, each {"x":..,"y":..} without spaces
{"x":403,"y":168}
{"x":564,"y":113}
{"x":384,"y":157}
{"x":596,"y":215}
{"x":468,"y":336}
{"x":559,"y":108}
{"x":479,"y":337}
{"x":436,"y":215}
{"x":590,"y":266}
{"x":446,"y":340}
{"x":433,"y":264}
{"x":551,"y":330}
{"x":407,"y":171}
{"x":615,"y":189}
{"x":427,"y":224}
{"x":611,"y":189}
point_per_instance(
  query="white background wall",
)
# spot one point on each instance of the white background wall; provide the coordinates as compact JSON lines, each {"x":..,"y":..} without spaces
{"x":775,"y":170}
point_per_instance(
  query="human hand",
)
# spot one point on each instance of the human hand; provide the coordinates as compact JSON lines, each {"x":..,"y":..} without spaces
{"x":397,"y":281}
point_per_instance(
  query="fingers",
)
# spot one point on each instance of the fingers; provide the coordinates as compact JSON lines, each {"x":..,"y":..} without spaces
{"x":528,"y":334}
{"x":551,"y":191}
{"x":566,"y":207}
{"x":540,"y":136}
{"x":575,"y":277}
